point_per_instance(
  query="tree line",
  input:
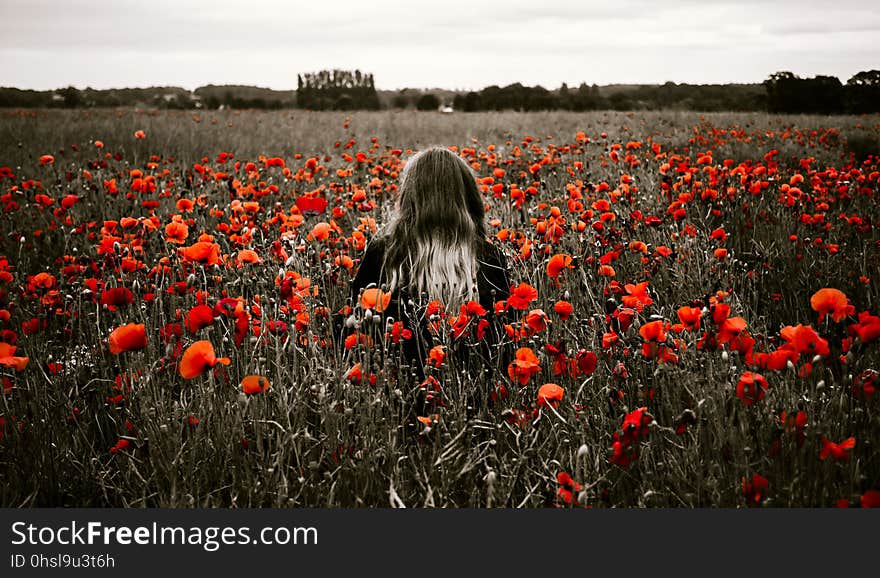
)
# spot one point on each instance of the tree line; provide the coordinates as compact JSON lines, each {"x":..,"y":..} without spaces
{"x":782,"y":92}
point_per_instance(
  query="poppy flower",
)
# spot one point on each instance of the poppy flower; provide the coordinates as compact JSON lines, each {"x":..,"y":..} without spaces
{"x":730,"y":328}
{"x":536,"y":320}
{"x":9,"y":359}
{"x":564,"y":309}
{"x":437,"y":355}
{"x":116,"y":297}
{"x":321,"y":232}
{"x":690,"y":317}
{"x":754,"y":491}
{"x":867,"y":329}
{"x":837,"y":451}
{"x":557,"y":264}
{"x":140,"y":135}
{"x":252,"y":384}
{"x":637,"y":296}
{"x":176,"y":232}
{"x":521,"y":296}
{"x":247,"y":257}
{"x":47,"y":160}
{"x":550,"y":394}
{"x":198,"y":358}
{"x":750,"y":387}
{"x":831,"y":302}
{"x":587,"y":361}
{"x":635,"y":424}
{"x":567,"y":487}
{"x":308,"y":204}
{"x":120,"y":446}
{"x":131,"y":337}
{"x":375,"y":299}
{"x":198,"y":317}
{"x":524,"y":366}
{"x":805,"y":340}
{"x":653,"y":331}
{"x":870,"y":499}
{"x":204,"y":252}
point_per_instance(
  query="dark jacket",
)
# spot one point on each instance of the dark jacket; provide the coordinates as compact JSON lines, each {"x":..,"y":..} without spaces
{"x":492,"y":285}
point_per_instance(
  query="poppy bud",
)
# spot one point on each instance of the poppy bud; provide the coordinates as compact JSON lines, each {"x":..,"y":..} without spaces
{"x":817,"y":359}
{"x":789,"y":364}
{"x":820,"y":385}
{"x":583,"y":451}
{"x":724,"y":356}
{"x":368,"y":315}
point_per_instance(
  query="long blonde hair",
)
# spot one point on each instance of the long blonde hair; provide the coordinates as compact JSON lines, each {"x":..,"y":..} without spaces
{"x":434,"y":239}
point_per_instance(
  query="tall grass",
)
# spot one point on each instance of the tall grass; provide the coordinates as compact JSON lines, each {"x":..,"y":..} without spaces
{"x":318,"y":438}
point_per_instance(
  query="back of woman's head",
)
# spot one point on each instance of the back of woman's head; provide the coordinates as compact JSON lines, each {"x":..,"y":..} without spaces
{"x":436,"y":234}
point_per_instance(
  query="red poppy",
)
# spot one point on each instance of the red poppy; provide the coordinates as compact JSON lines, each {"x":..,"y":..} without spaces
{"x":557,"y":264}
{"x":867,"y":329}
{"x":198,"y":317}
{"x":690,"y":317}
{"x":836,"y":451}
{"x":730,"y":329}
{"x":804,"y":339}
{"x":521,"y":296}
{"x":653,"y":331}
{"x":637,"y":296}
{"x":536,"y":320}
{"x":871,"y":499}
{"x":437,"y":356}
{"x":9,"y":359}
{"x":524,"y":366}
{"x":204,"y":252}
{"x":831,"y":302}
{"x":176,"y":232}
{"x":754,"y":491}
{"x":131,"y":337}
{"x":253,"y":384}
{"x":116,"y":297}
{"x":751,"y":387}
{"x":247,"y":257}
{"x":564,"y":309}
{"x":568,"y":488}
{"x":198,"y":358}
{"x":375,"y":299}
{"x":550,"y":394}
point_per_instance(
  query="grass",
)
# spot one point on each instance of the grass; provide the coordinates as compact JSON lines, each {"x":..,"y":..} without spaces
{"x":319,"y":438}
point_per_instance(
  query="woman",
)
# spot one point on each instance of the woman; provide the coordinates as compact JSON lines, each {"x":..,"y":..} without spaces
{"x":435,"y":249}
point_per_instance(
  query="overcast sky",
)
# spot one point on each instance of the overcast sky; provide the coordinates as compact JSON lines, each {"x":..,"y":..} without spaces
{"x":463,"y":44}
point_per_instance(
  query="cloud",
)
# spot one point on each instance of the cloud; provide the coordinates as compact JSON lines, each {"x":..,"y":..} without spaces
{"x":457,"y":43}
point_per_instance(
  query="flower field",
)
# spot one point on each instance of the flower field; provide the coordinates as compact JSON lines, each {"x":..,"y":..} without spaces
{"x":694,"y":318}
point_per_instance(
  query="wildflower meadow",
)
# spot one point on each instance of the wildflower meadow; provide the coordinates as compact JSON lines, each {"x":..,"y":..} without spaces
{"x":694,"y":318}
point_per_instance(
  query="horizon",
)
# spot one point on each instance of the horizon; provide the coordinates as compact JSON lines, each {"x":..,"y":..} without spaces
{"x":635,"y":42}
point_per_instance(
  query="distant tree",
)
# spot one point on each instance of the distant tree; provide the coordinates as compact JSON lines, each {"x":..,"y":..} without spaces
{"x":862,"y":92}
{"x":786,"y":92}
{"x":72,"y":97}
{"x":400,"y":100}
{"x":428,"y":101}
{"x":339,"y":89}
{"x":564,"y":97}
{"x":620,"y":101}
